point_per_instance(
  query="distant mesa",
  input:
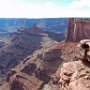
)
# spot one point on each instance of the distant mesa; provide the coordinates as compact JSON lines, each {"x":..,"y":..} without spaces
{"x":36,"y":30}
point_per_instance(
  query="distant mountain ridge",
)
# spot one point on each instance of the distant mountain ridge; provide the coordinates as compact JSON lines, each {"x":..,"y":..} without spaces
{"x":50,"y":24}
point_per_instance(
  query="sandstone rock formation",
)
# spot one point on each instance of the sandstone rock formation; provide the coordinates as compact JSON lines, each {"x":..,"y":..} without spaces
{"x":81,"y":51}
{"x":75,"y":76}
{"x":78,"y":29}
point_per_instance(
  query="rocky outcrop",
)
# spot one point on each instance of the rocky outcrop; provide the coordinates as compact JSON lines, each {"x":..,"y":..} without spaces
{"x":81,"y":50}
{"x":78,"y":29}
{"x":75,"y":76}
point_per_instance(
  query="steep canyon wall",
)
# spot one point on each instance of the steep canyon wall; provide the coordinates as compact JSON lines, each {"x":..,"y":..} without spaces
{"x":78,"y":29}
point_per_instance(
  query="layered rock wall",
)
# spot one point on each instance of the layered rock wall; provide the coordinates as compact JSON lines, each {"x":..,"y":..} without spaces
{"x":78,"y":29}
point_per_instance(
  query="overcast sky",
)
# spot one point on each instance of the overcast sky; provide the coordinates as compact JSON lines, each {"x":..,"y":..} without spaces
{"x":44,"y":8}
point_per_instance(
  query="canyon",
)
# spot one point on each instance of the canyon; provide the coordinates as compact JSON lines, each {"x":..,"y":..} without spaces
{"x":52,"y":62}
{"x":21,"y":44}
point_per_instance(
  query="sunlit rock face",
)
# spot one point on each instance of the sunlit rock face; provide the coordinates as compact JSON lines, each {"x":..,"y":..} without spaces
{"x":80,"y":50}
{"x":75,"y":76}
{"x":78,"y":29}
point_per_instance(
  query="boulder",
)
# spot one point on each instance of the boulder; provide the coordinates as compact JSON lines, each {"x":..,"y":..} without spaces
{"x":75,"y":76}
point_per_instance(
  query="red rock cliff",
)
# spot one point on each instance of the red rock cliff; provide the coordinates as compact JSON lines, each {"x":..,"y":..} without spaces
{"x":78,"y":29}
